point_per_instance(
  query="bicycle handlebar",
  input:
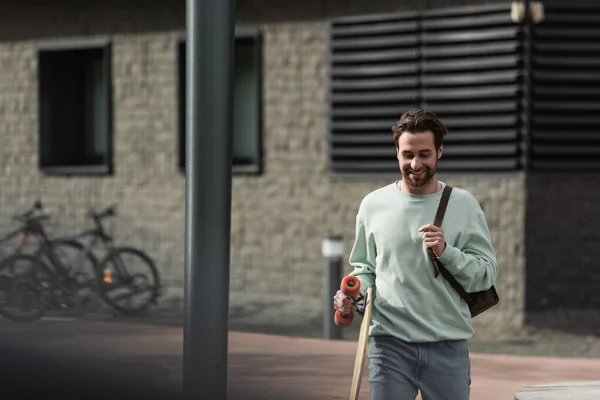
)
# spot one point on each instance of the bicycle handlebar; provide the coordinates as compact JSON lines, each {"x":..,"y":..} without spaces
{"x":108,"y":212}
{"x":29,"y":214}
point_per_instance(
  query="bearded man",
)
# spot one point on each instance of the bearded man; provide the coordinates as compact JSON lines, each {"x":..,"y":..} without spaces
{"x":419,"y":323}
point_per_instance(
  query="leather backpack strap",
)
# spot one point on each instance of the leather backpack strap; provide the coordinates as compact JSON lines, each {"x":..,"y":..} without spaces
{"x":439,"y":267}
{"x":457,"y":286}
{"x":439,"y":217}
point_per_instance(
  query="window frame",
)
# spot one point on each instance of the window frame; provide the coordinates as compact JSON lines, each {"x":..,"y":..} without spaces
{"x":248,"y":31}
{"x":73,"y":44}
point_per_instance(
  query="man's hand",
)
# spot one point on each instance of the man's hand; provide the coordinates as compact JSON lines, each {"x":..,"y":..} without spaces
{"x":433,"y":237}
{"x":342,"y":303}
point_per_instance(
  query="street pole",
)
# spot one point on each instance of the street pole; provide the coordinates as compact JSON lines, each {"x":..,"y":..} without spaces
{"x":210,"y":55}
{"x":332,"y":249}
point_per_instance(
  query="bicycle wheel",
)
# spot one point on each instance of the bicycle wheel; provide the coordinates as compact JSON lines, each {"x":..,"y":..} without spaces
{"x":127,"y":272}
{"x":25,"y":288}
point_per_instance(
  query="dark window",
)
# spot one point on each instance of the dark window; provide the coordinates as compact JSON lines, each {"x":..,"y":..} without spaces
{"x":247,"y":102}
{"x":75,"y":116}
{"x":463,"y":63}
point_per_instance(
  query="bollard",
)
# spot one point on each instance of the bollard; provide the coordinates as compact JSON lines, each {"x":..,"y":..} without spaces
{"x":333,"y":250}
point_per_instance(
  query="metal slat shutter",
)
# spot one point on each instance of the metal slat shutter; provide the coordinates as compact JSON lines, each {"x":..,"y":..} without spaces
{"x":374,"y":78}
{"x":464,"y":63}
{"x":471,"y":79}
{"x":565,"y":120}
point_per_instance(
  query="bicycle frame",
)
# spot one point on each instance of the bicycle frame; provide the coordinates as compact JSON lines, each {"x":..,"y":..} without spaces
{"x":23,"y":233}
{"x":17,"y":232}
{"x":97,"y":235}
{"x":46,"y":249}
{"x":34,"y":229}
{"x":30,"y":226}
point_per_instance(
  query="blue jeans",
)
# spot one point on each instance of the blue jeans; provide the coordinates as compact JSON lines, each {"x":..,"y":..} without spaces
{"x":397,"y":369}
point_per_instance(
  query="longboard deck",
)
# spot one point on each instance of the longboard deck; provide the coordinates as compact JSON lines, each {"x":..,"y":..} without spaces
{"x":363,"y":341}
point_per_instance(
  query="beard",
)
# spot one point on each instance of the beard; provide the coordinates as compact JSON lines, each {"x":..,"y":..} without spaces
{"x":420,"y":180}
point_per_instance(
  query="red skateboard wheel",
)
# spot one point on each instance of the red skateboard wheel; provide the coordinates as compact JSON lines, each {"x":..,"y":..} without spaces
{"x":350,"y":286}
{"x":343,"y":321}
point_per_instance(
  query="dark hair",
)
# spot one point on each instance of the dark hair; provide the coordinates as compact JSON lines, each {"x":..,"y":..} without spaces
{"x":416,"y":121}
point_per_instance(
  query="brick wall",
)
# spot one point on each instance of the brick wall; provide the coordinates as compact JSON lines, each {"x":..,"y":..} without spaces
{"x":278,"y":218}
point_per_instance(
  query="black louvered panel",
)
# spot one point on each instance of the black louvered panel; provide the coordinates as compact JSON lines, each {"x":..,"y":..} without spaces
{"x":374,"y":78}
{"x":565,"y":131}
{"x":472,"y":81}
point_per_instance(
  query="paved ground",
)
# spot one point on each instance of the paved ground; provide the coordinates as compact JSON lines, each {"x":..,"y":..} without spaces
{"x":120,"y":360}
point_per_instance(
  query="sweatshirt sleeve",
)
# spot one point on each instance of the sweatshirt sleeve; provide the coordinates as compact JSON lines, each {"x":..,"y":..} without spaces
{"x":362,"y":256}
{"x":473,"y":260}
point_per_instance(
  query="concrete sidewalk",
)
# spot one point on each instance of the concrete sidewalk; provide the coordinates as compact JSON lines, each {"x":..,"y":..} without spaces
{"x":101,"y":359}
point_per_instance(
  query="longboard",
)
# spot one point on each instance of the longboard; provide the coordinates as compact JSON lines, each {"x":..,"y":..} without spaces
{"x":351,"y":287}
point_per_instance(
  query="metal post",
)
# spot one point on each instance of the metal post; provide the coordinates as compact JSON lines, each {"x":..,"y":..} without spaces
{"x":209,"y":103}
{"x":333,"y":251}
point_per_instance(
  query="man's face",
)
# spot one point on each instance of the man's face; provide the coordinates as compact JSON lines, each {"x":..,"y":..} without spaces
{"x":417,"y":157}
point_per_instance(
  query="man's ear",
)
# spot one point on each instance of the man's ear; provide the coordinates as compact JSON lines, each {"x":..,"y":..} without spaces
{"x":440,"y":151}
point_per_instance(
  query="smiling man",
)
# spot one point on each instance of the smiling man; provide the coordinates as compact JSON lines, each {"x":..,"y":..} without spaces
{"x":420,"y":324}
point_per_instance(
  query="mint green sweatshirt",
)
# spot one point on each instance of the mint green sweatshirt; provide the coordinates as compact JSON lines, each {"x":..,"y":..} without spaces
{"x":389,"y":255}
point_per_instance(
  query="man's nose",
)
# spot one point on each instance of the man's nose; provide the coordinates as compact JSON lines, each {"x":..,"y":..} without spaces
{"x":415,"y":164}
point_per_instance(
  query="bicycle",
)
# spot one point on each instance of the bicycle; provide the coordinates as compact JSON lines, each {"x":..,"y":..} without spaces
{"x":22,"y":285}
{"x":61,"y":284}
{"x":112,"y":273}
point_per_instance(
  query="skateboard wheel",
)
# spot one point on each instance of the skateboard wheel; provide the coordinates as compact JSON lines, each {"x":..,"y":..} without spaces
{"x":350,"y":286}
{"x":343,"y":321}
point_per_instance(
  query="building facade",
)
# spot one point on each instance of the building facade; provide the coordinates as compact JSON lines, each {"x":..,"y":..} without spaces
{"x":92,"y":115}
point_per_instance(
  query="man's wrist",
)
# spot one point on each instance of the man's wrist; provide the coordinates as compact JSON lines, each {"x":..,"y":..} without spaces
{"x":439,"y":254}
{"x":444,"y":249}
{"x":449,"y":256}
